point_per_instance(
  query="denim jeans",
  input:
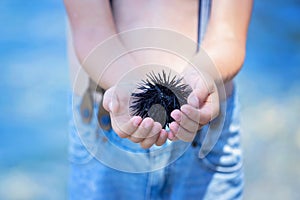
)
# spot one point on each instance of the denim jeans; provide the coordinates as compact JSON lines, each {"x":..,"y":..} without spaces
{"x":219,"y":175}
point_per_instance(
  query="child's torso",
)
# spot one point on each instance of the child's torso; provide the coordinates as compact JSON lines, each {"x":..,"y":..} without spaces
{"x":177,"y":15}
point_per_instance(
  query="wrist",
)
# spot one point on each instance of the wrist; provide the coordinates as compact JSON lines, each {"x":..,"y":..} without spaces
{"x":227,"y":55}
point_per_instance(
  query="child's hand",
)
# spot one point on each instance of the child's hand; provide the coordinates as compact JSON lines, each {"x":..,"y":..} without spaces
{"x":202,"y":106}
{"x":138,"y":130}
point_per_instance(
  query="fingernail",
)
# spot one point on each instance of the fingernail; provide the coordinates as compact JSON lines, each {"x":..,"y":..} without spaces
{"x":176,"y":115}
{"x":136,"y":121}
{"x":171,"y":136}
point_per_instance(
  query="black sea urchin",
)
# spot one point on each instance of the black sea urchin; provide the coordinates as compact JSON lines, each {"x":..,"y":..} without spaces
{"x":159,"y":95}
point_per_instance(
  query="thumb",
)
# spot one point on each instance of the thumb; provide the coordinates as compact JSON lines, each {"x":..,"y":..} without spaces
{"x":110,"y":100}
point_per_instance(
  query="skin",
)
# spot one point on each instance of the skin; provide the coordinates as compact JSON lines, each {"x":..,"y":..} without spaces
{"x":93,"y":21}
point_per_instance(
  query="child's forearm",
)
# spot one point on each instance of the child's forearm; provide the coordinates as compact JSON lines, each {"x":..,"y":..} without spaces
{"x":227,"y":56}
{"x":225,"y":39}
{"x":92,"y":23}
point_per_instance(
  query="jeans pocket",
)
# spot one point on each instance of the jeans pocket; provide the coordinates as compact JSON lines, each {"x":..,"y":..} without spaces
{"x":224,"y":157}
{"x":78,"y":152}
{"x":226,"y":154}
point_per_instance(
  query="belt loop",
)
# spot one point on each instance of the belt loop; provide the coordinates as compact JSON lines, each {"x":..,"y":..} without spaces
{"x":87,"y":106}
{"x":102,"y":115}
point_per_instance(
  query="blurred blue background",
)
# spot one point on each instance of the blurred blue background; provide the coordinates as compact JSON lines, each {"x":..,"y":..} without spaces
{"x":34,"y":83}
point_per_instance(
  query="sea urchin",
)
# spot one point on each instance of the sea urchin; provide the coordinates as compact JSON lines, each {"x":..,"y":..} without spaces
{"x":158,"y":96}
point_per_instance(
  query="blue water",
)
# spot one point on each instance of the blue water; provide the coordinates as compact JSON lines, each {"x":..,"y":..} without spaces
{"x":273,"y":42}
{"x":35,"y":86}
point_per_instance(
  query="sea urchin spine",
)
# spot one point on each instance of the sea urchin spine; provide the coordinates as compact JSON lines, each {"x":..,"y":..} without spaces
{"x":158,"y":96}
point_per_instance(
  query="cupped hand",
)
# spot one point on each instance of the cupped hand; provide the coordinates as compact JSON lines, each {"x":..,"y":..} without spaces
{"x":138,"y":130}
{"x":202,"y":107}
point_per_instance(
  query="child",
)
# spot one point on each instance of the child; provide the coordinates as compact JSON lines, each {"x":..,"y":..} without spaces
{"x":219,"y":174}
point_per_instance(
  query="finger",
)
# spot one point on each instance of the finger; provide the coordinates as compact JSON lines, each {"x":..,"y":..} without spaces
{"x":184,"y":121}
{"x":197,"y":98}
{"x":162,"y":138}
{"x":191,"y":112}
{"x":107,"y":98}
{"x":152,"y":137}
{"x":204,"y":82}
{"x":111,"y":100}
{"x":181,"y":133}
{"x":209,"y":110}
{"x":171,"y":136}
{"x":204,"y":115}
{"x":142,"y":131}
{"x":128,"y":128}
{"x":215,"y":103}
{"x":194,"y":113}
{"x":174,"y":139}
{"x":207,"y":113}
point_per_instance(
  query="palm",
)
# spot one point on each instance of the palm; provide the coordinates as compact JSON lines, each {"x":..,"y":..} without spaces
{"x":143,"y":131}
